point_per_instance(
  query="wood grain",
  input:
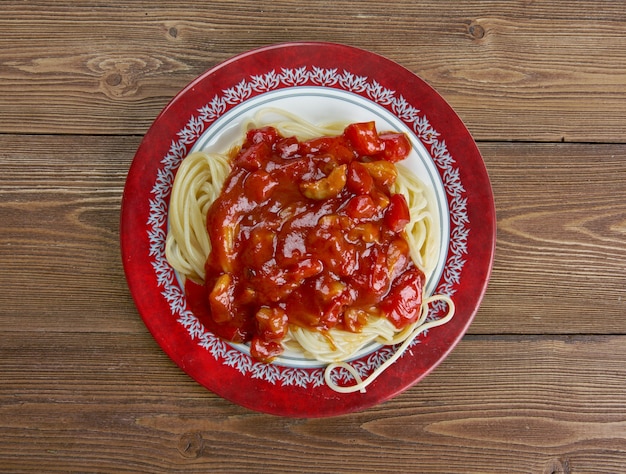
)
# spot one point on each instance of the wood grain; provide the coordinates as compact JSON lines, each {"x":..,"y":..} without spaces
{"x":561,"y":248}
{"x":512,"y":70}
{"x":561,"y":225}
{"x":112,"y":403}
{"x":60,"y":208}
{"x":537,"y":384}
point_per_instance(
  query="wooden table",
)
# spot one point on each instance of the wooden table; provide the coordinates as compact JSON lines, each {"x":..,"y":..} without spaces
{"x":537,"y":385}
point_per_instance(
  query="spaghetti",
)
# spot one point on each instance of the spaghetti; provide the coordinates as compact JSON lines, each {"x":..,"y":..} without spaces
{"x":190,"y":248}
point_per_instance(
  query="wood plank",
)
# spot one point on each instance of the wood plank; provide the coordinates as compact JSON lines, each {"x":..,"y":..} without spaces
{"x":512,"y":70}
{"x":561,"y":248}
{"x":114,"y":402}
{"x":537,"y":385}
{"x":59,"y":240}
{"x":560,"y":259}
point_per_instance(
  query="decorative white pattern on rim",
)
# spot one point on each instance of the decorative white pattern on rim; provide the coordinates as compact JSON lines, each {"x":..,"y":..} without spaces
{"x":209,"y":113}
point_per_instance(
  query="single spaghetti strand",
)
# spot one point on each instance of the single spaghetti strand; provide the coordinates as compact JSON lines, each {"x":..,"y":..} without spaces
{"x":361,"y":384}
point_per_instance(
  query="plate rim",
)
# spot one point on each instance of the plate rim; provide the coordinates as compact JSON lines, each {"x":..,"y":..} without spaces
{"x":127,"y":218}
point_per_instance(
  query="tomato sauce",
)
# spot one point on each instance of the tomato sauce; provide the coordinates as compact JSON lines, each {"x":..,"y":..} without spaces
{"x":307,"y":233}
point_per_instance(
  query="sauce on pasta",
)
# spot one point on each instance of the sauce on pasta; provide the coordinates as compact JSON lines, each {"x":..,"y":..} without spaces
{"x":308,"y":234}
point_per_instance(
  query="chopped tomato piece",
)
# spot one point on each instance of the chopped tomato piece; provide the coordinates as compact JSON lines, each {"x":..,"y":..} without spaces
{"x":364,"y":138}
{"x":316,"y":146}
{"x":268,"y":135}
{"x":397,"y":146}
{"x":259,"y":185}
{"x":265,"y":351}
{"x":359,"y":180}
{"x":397,"y":213}
{"x":341,"y":152}
{"x":403,"y":303}
{"x":287,"y":147}
{"x":379,"y":275}
{"x":254,"y":156}
{"x":361,"y":207}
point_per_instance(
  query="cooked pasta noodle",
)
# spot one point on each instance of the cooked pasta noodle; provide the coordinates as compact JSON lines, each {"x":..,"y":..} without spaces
{"x":197,"y":184}
{"x":406,"y":337}
{"x":422,"y":232}
{"x":289,"y":124}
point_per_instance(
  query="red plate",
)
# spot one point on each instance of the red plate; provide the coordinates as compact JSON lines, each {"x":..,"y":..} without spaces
{"x":321,"y":81}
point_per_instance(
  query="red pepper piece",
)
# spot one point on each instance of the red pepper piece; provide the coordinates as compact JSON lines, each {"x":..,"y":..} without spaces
{"x":340,"y":150}
{"x":403,"y":303}
{"x":361,"y":207}
{"x":253,"y":157}
{"x":316,"y":146}
{"x":359,"y":180}
{"x":265,"y":351}
{"x":397,"y":214}
{"x":268,"y":135}
{"x":287,"y":147}
{"x":397,"y":146}
{"x":364,"y":138}
{"x":259,"y":185}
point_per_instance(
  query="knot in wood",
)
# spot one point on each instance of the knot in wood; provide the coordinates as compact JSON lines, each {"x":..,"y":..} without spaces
{"x":190,"y":445}
{"x":114,"y":79}
{"x":476,"y":31}
{"x":120,"y":76}
{"x":557,"y":466}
